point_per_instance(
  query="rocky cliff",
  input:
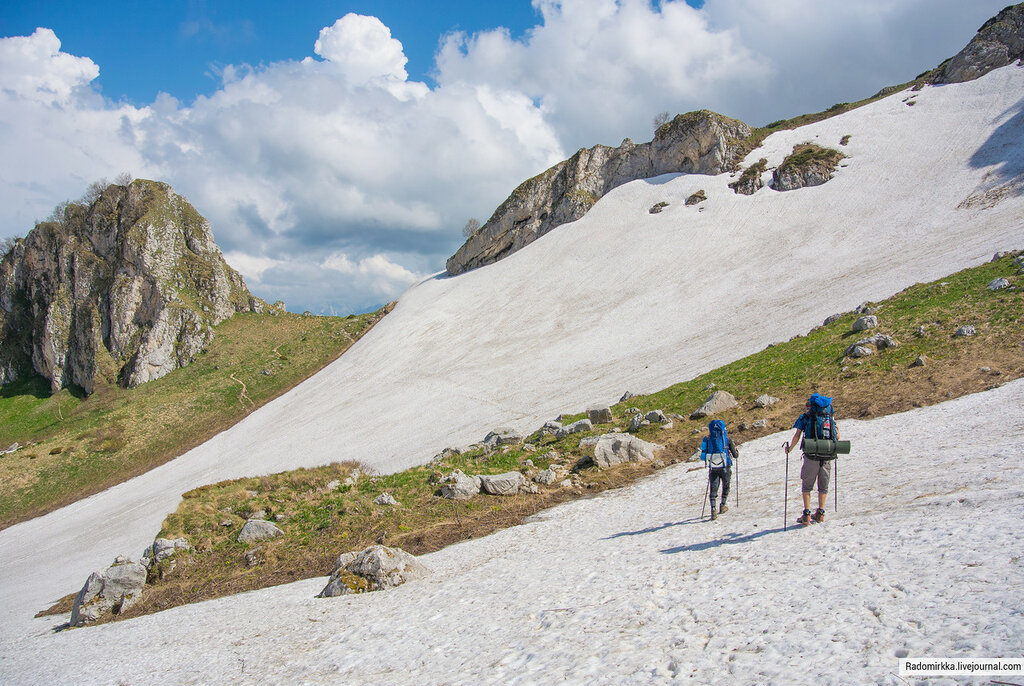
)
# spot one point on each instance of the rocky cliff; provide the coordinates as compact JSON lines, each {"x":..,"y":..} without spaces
{"x":998,"y":42}
{"x":700,"y":142}
{"x":123,"y":290}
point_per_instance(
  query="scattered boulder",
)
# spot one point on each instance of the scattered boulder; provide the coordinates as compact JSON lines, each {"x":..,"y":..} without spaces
{"x":636,"y":422}
{"x":508,"y":483}
{"x":759,"y":424}
{"x":656,"y":417}
{"x":998,"y":284}
{"x":589,"y":442}
{"x":831,"y":318}
{"x":808,"y":165}
{"x":546,"y":477}
{"x":765,"y":400}
{"x":866,"y":308}
{"x":503,"y":436}
{"x":750,"y":180}
{"x":625,"y":396}
{"x":375,"y":568}
{"x":921,"y":361}
{"x":258,"y":530}
{"x":964,"y":331}
{"x":696,"y":198}
{"x":619,"y":448}
{"x":162,"y":549}
{"x":385,"y":499}
{"x":114,"y":590}
{"x":866,"y":322}
{"x":575,"y":427}
{"x":458,"y":486}
{"x":445,"y":454}
{"x":601,"y":414}
{"x":719,"y":401}
{"x":657,"y":208}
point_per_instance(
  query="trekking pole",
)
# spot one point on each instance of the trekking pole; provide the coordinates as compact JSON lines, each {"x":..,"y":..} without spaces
{"x":835,"y":485}
{"x":737,"y":482}
{"x":707,"y":491}
{"x":785,"y":503}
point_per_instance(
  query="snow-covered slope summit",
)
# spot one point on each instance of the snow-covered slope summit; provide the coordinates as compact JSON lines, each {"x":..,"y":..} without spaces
{"x":620,"y":299}
{"x":923,"y":559}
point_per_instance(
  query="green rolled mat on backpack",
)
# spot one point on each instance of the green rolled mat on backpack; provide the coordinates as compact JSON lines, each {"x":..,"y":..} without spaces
{"x":824,"y":446}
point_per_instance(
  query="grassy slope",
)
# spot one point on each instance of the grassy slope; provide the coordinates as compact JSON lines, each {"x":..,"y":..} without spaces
{"x":79,"y":446}
{"x":319,"y":524}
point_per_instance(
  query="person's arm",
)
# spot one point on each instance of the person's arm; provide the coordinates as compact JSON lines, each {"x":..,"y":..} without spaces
{"x":733,"y":449}
{"x":795,"y":442}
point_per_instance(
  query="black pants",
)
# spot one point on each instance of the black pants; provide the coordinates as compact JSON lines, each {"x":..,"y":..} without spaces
{"x":716,"y":475}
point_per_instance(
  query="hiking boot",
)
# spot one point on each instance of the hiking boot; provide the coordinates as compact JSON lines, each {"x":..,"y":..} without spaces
{"x":723,"y":509}
{"x":818,"y":516}
{"x":805,"y":518}
{"x":714,"y":512}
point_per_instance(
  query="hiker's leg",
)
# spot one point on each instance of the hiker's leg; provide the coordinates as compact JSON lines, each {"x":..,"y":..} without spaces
{"x":808,"y":475}
{"x":726,"y":478}
{"x":716,"y":475}
{"x":824,"y":478}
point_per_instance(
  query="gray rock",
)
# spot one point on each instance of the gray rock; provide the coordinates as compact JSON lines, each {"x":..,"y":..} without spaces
{"x":258,"y":530}
{"x":504,"y":436}
{"x":696,"y":198}
{"x":332,"y":486}
{"x":695,"y":143}
{"x":921,"y":361}
{"x":967,"y":330}
{"x":656,"y":417}
{"x":385,"y":499}
{"x":866,"y":322}
{"x":575,"y":427}
{"x":719,"y":401}
{"x":458,"y":486}
{"x":831,"y":318}
{"x":375,"y":568}
{"x":750,"y":180}
{"x":999,"y":42}
{"x":600,"y":414}
{"x":589,"y":442}
{"x":709,"y":387}
{"x":508,"y":483}
{"x":114,"y":590}
{"x":94,"y":297}
{"x":998,"y":284}
{"x":625,"y":396}
{"x":866,"y":308}
{"x":636,"y":422}
{"x":657,"y":208}
{"x":765,"y":400}
{"x":858,"y":351}
{"x":759,"y":424}
{"x":815,"y":171}
{"x":615,"y":449}
{"x":546,"y":477}
{"x":163,"y":548}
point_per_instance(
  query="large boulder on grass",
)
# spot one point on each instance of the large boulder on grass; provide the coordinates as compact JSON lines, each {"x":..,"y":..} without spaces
{"x":575,"y":427}
{"x":258,"y":530}
{"x":601,"y":414}
{"x":112,"y":591}
{"x":375,"y":568}
{"x":458,"y":486}
{"x":508,"y":483}
{"x":614,"y":449}
{"x":719,"y":401}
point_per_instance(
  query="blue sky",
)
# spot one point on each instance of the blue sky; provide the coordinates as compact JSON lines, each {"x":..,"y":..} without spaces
{"x":339,"y":147}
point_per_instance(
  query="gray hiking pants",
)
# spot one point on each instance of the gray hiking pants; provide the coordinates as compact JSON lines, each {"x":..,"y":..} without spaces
{"x":813,"y":470}
{"x":719,"y":475}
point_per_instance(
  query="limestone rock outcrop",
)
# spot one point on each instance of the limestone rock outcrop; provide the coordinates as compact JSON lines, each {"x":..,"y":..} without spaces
{"x":808,"y":165}
{"x":125,"y":290}
{"x":701,"y":142}
{"x":999,"y":42}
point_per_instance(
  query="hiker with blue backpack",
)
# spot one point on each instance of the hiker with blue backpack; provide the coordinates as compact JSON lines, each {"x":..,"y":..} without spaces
{"x":821,"y":436}
{"x":718,"y":451}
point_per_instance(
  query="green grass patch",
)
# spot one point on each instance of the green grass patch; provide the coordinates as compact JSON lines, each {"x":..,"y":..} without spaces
{"x":85,"y":444}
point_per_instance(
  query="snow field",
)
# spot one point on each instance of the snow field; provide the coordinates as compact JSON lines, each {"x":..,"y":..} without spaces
{"x":923,"y":559}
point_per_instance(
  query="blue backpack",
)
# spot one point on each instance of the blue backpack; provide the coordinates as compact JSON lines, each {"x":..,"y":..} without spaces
{"x":821,"y":422}
{"x":716,"y":445}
